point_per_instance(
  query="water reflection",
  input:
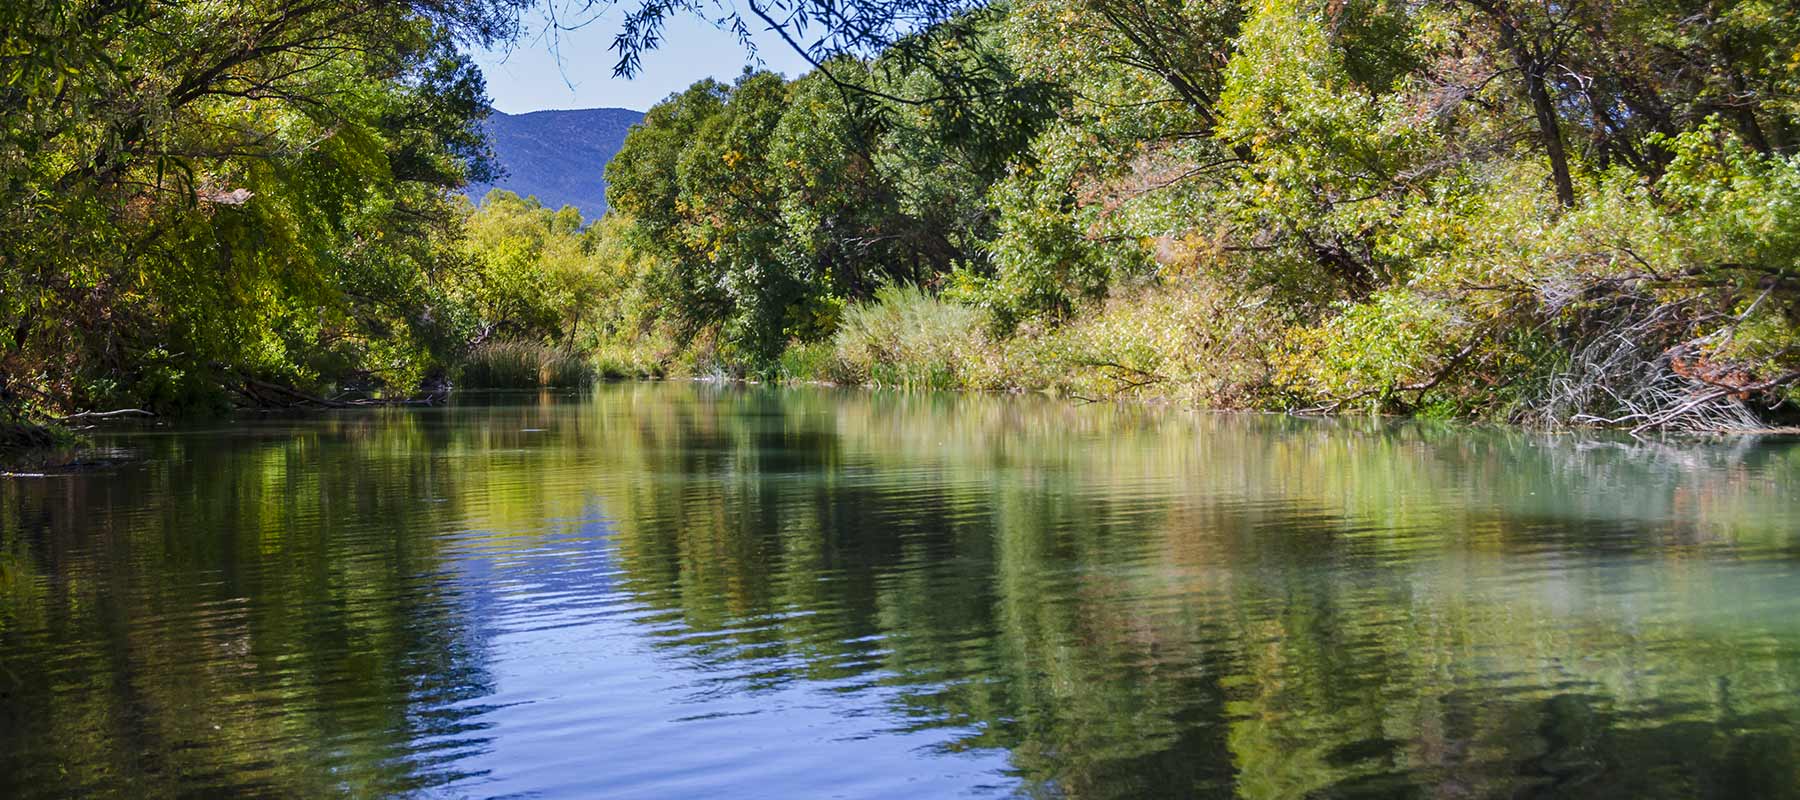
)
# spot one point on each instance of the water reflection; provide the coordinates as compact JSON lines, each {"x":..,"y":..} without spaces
{"x":677,"y":590}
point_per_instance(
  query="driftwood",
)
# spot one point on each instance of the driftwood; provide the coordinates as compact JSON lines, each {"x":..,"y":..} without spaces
{"x":121,"y":412}
{"x":1717,"y":394}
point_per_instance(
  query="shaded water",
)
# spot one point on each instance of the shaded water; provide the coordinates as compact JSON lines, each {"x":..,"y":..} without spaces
{"x":666,"y":590}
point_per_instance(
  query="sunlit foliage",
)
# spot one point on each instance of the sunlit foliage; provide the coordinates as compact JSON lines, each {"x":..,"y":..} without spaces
{"x":1572,"y":213}
{"x":194,"y":194}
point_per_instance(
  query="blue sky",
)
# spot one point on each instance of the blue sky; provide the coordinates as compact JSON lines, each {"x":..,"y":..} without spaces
{"x":528,"y":77}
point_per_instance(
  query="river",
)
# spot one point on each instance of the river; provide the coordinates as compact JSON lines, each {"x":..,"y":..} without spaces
{"x":689,"y":590}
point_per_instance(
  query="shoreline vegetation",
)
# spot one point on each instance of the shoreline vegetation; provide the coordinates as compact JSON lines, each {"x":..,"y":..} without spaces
{"x":1574,"y":215}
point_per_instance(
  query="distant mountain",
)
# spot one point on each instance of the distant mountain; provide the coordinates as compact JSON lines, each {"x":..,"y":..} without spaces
{"x":557,"y":156}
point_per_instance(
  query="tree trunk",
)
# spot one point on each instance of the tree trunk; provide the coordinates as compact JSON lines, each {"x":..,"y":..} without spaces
{"x":1538,"y":91}
{"x":1746,"y":115}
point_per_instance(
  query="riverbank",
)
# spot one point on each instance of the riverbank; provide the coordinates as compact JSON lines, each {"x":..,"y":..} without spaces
{"x":1188,"y":343}
{"x":29,"y":449}
{"x":21,"y":436}
{"x":1201,"y":346}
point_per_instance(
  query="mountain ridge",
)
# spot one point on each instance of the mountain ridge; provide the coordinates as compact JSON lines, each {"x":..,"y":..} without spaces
{"x":557,"y":155}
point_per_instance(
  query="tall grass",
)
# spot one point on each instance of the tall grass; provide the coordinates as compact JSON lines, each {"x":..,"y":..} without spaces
{"x":522,"y":365}
{"x":1189,"y":341}
{"x":817,"y":362}
{"x":907,"y":338}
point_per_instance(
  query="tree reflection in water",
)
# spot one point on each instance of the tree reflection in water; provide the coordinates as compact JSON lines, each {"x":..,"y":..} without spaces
{"x":1118,"y":602}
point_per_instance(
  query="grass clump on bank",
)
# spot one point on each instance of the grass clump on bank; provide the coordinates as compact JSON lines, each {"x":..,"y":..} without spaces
{"x":522,"y":365}
{"x":1168,"y":343}
{"x":906,"y":338}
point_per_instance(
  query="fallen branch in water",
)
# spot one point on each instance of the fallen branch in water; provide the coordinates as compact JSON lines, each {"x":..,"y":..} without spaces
{"x":274,"y":395}
{"x":258,"y":391}
{"x":1128,"y":378}
{"x":1717,"y":394}
{"x":121,"y":412}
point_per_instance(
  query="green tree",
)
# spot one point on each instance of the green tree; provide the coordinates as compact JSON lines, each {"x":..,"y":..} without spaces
{"x":196,"y":195}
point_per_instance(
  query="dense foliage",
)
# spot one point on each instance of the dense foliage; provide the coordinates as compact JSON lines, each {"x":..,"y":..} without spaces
{"x":196,"y":196}
{"x":1550,"y":213}
{"x":768,"y":204}
{"x":1556,"y":213}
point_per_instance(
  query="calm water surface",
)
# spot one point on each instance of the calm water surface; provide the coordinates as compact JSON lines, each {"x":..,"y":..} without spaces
{"x":691,"y":591}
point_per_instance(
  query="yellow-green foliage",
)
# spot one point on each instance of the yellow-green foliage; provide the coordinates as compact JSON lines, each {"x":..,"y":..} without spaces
{"x":551,"y":288}
{"x":1368,"y":356}
{"x":817,"y":362}
{"x":1639,"y":297}
{"x":614,"y":359}
{"x":531,"y":274}
{"x":1190,"y":339}
{"x":197,"y":192}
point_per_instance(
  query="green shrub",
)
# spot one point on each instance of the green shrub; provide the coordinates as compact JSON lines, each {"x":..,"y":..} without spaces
{"x":617,"y":362}
{"x":1369,"y":355}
